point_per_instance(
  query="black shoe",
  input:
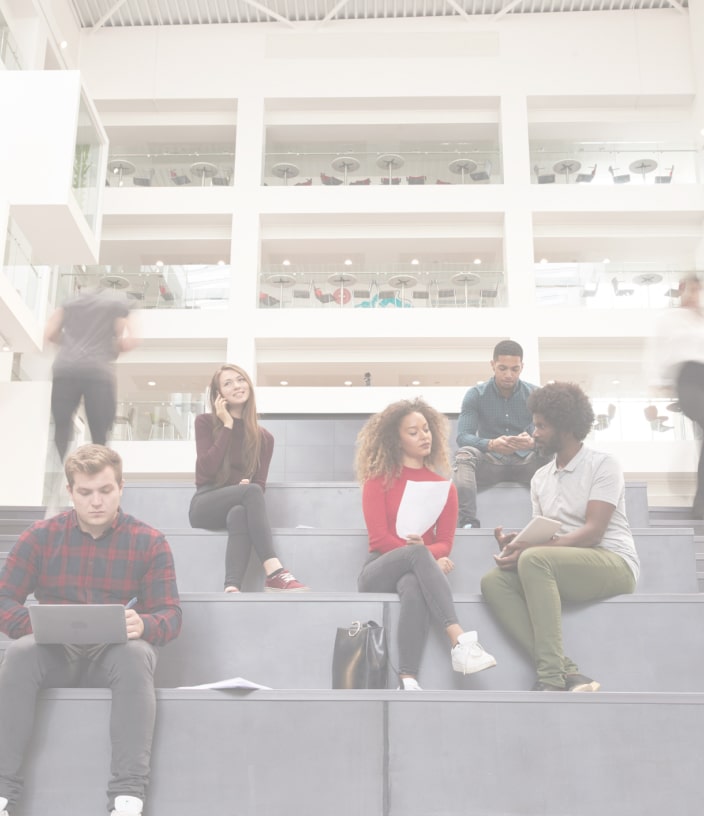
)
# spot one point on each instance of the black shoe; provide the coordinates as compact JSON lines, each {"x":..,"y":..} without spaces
{"x":580,"y":682}
{"x":540,"y":686}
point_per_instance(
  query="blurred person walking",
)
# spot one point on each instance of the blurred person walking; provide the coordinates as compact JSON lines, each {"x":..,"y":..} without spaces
{"x":676,"y":364}
{"x":90,"y":330}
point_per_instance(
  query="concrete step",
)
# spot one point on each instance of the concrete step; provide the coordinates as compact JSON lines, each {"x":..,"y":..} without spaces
{"x":382,"y":753}
{"x":336,"y":505}
{"x":361,"y":754}
{"x":286,"y":641}
{"x":331,"y":560}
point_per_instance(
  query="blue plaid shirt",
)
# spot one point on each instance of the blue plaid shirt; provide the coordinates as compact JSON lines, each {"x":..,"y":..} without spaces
{"x":487,"y":415}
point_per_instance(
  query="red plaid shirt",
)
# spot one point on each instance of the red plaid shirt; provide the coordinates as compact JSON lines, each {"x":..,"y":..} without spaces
{"x":59,"y":563}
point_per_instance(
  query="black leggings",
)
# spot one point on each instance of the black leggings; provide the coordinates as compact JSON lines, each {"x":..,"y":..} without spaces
{"x":241,"y":510}
{"x":100,"y":404}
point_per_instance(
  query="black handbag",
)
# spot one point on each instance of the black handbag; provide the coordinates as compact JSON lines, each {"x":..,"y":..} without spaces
{"x":359,"y":659}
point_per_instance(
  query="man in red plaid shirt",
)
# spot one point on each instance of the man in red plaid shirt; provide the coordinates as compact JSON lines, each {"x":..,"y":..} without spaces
{"x":92,"y":554}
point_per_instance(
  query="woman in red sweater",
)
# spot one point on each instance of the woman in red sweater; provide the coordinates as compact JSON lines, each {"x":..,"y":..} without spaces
{"x":407,"y":442}
{"x":232,"y":463}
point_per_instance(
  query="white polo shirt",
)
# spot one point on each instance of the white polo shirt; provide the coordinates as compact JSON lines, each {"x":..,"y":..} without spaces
{"x":563,"y":494}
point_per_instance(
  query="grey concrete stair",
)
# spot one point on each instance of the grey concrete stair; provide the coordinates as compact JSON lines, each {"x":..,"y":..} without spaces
{"x":382,"y":754}
{"x":330,"y":560}
{"x":286,"y":641}
{"x":336,"y":505}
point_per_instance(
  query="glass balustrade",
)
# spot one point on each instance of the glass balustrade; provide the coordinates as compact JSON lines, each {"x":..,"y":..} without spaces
{"x":29,"y":280}
{"x":611,"y":163}
{"x":400,"y":286}
{"x":186,"y":167}
{"x":9,"y":55}
{"x":187,"y":286}
{"x":639,"y":420}
{"x":86,"y":163}
{"x":618,"y":419}
{"x":158,"y":421}
{"x":633,"y":285}
{"x":328,"y":165}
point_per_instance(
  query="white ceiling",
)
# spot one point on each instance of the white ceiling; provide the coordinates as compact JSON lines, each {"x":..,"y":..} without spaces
{"x":97,"y":13}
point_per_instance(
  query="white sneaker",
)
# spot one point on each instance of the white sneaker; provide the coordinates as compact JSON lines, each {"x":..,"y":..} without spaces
{"x":3,"y":805}
{"x":407,"y":684}
{"x":468,"y":656}
{"x":127,"y":806}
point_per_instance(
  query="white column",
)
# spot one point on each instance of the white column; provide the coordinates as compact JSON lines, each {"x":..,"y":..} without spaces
{"x":518,"y":225}
{"x":696,"y":29}
{"x":245,"y":247}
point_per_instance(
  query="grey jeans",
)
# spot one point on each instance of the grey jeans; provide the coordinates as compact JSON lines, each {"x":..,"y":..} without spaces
{"x":241,"y":510}
{"x":474,"y":468}
{"x":126,"y":668}
{"x":413,"y":572}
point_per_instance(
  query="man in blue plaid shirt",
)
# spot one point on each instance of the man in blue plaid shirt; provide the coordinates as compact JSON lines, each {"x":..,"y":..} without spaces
{"x":93,"y":554}
{"x":494,"y":433}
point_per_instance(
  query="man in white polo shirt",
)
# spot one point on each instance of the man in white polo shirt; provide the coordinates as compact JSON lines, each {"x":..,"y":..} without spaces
{"x":593,"y":556}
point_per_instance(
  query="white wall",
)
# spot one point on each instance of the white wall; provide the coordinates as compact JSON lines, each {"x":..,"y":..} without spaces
{"x":24,"y":428}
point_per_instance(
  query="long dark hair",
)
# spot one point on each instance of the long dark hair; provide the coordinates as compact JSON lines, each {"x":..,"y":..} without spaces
{"x":251,"y":445}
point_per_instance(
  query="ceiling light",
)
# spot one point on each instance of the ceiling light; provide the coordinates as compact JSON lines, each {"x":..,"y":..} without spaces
{"x":414,"y":262}
{"x":283,"y":382}
{"x":63,"y":44}
{"x":348,"y":262}
{"x":151,"y":382}
{"x":477,"y":261}
{"x":221,"y":262}
{"x":415,"y":382}
{"x":543,"y":261}
{"x":607,"y":260}
{"x":159,"y":264}
{"x":348,"y":382}
{"x":285,"y":262}
{"x":615,"y":382}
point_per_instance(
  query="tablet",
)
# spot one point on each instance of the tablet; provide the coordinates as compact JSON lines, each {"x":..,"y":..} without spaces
{"x":538,"y":530}
{"x":78,"y":623}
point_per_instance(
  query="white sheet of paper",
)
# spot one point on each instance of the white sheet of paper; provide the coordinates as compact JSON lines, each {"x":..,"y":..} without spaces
{"x":421,"y":504}
{"x":231,"y":683}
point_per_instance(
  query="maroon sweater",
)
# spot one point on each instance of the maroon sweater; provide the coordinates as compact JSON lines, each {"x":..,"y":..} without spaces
{"x":211,"y":447}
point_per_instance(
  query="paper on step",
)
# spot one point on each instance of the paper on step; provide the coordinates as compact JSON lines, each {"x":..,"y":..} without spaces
{"x":231,"y":683}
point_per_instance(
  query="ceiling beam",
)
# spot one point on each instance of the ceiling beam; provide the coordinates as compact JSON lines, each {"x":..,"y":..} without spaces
{"x":676,"y":5}
{"x":458,"y":8}
{"x":332,"y":13}
{"x":508,"y":7}
{"x":271,"y":13}
{"x":108,"y":14}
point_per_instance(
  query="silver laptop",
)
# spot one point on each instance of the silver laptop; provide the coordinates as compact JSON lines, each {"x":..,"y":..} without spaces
{"x":78,"y":623}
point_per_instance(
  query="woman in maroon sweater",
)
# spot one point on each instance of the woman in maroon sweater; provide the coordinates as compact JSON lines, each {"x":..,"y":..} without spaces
{"x":407,"y":442}
{"x":233,"y":456}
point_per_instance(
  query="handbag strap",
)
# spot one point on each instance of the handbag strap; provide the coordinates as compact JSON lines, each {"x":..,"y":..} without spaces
{"x":356,"y":628}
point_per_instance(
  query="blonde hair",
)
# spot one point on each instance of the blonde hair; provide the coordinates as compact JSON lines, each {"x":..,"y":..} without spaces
{"x":379,"y":451}
{"x":252,"y":443}
{"x":92,"y":459}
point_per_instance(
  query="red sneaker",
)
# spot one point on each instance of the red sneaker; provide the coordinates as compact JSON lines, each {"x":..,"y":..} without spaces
{"x":284,"y":582}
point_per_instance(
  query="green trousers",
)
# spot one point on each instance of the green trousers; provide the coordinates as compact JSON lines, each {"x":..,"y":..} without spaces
{"x":528,"y":601}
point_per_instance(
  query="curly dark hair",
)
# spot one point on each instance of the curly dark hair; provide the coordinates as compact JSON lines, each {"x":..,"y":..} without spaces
{"x":564,"y":406}
{"x":379,"y":443}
